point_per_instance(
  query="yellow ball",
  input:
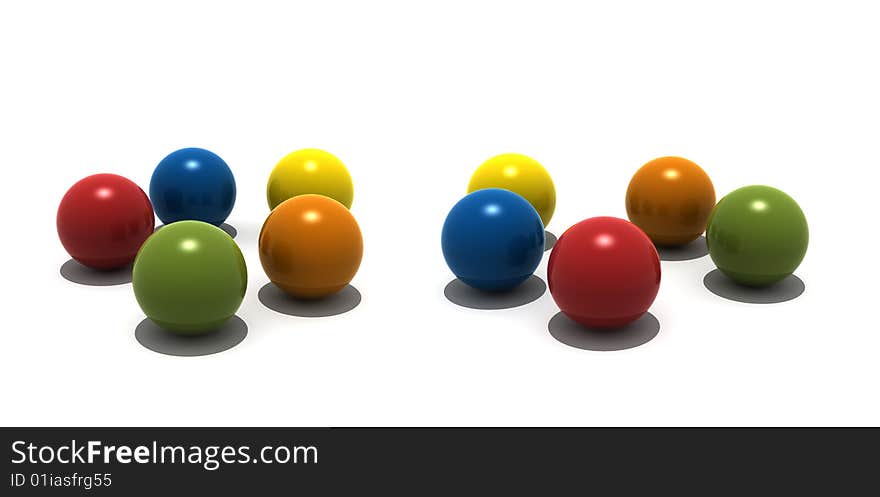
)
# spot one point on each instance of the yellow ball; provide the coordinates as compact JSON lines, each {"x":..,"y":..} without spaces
{"x":521,"y":175}
{"x":310,"y":171}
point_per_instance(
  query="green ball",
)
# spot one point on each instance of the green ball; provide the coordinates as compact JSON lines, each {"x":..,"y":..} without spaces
{"x":757,"y":235}
{"x":189,"y":277}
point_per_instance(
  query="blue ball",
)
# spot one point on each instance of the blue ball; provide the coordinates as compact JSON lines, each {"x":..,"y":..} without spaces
{"x":493,"y":239}
{"x":192,"y":184}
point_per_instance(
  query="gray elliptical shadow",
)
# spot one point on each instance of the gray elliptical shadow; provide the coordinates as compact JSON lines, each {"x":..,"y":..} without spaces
{"x":788,"y":289}
{"x":573,"y":334}
{"x":160,"y":340}
{"x":549,"y":240}
{"x":459,"y":293}
{"x":687,"y":252}
{"x":339,"y":303}
{"x":84,"y":275}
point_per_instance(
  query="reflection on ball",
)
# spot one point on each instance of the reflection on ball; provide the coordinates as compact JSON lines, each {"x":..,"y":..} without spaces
{"x":670,"y":199}
{"x":493,"y":239}
{"x":193,"y":184}
{"x":189,"y":277}
{"x":522,"y":175}
{"x":103,"y":220}
{"x":604,"y":272}
{"x":311,"y":246}
{"x":310,"y":171}
{"x":757,"y":235}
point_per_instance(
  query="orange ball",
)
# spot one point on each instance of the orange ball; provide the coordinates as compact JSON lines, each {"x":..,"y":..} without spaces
{"x":311,"y":246}
{"x":670,"y":199}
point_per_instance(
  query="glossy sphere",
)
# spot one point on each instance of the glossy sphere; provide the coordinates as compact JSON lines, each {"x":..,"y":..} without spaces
{"x":521,"y":175}
{"x":193,"y":184}
{"x":103,"y":220}
{"x":604,"y":272}
{"x":311,"y":246}
{"x":670,"y":199}
{"x":189,"y":277}
{"x":310,"y":171}
{"x":493,"y":239}
{"x":757,"y":235}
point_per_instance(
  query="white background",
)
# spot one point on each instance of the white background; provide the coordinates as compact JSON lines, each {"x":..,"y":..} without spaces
{"x":413,"y":96}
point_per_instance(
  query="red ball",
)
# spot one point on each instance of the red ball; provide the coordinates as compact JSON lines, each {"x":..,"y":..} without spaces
{"x":103,"y":220}
{"x":604,"y":272}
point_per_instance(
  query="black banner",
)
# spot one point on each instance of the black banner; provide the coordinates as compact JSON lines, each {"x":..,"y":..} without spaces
{"x":414,"y":461}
